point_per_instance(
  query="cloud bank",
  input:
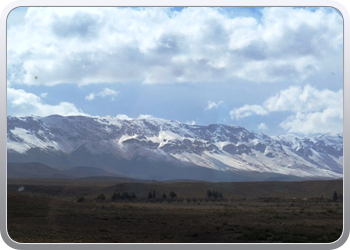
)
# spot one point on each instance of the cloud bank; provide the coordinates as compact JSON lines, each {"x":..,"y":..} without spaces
{"x":157,"y":45}
{"x":22,"y":103}
{"x":313,"y":110}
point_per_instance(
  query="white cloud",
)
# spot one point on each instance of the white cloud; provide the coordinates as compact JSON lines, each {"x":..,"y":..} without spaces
{"x":247,"y":110}
{"x":43,"y":95}
{"x":155,"y":45}
{"x":329,"y":120}
{"x":21,"y":103}
{"x":314,"y":111}
{"x":262,"y":126}
{"x":212,"y":105}
{"x":108,"y":92}
{"x":307,"y":99}
{"x":105,"y":92}
{"x":90,"y":97}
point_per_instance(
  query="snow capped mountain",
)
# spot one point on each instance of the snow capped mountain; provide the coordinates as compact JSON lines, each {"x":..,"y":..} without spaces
{"x":151,"y":145}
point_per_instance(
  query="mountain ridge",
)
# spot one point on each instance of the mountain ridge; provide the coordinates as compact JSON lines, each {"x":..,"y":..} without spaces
{"x":147,"y":145}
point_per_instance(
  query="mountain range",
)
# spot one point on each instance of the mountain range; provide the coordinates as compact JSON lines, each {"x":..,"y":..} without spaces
{"x":154,"y":148}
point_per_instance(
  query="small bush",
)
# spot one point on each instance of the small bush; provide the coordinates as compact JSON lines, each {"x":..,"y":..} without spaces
{"x":330,"y":210}
{"x":80,"y":199}
{"x":101,"y":197}
{"x":172,"y":194}
{"x":115,"y":196}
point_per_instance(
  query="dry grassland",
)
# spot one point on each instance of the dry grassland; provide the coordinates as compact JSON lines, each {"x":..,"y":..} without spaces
{"x":48,"y":211}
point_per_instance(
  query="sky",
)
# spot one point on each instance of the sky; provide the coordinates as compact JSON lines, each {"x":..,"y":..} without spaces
{"x":270,"y":70}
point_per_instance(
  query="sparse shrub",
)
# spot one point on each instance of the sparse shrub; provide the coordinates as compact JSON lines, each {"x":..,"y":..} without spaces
{"x":180,"y":199}
{"x":172,"y":194}
{"x":115,"y":196}
{"x":214,"y":194}
{"x":209,"y":193}
{"x":125,"y":195}
{"x":330,"y":210}
{"x":335,"y":196}
{"x":101,"y":197}
{"x":80,"y":199}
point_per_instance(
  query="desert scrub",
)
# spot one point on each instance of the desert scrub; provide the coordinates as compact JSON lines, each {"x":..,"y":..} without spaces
{"x":80,"y":199}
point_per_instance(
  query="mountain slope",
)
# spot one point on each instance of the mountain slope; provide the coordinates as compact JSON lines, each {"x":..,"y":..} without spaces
{"x":156,"y":148}
{"x":33,"y":170}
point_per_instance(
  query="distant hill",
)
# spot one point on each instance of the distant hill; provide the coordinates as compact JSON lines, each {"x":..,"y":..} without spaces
{"x":37,"y":170}
{"x":112,"y":178}
{"x":33,"y":170}
{"x":82,"y":172}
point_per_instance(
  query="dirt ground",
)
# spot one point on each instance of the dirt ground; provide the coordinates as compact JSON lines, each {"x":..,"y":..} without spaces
{"x":45,"y":214}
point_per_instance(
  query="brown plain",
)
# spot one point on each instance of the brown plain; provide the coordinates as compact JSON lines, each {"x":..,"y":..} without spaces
{"x":49,"y":211}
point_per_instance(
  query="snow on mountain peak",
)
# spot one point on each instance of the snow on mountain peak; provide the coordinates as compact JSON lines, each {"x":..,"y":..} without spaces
{"x":216,"y":146}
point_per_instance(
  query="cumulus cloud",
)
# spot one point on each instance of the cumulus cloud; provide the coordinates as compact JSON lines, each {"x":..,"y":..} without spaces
{"x":22,"y":103}
{"x":43,"y":95}
{"x":108,"y":92}
{"x":247,"y":110}
{"x":212,"y":105}
{"x":307,"y":99}
{"x":314,"y":111}
{"x":329,"y":120}
{"x":262,"y":126}
{"x":156,"y":45}
{"x":105,"y":92}
{"x":90,"y":97}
